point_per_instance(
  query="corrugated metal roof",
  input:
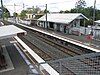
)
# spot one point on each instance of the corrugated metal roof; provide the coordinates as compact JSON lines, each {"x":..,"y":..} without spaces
{"x":10,"y":31}
{"x":61,"y":18}
{"x":98,"y":21}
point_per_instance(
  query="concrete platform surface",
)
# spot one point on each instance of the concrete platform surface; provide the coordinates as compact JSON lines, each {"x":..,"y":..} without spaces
{"x":8,"y":61}
{"x":20,"y":67}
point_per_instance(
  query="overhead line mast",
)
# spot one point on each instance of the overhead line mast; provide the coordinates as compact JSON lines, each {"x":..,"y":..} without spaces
{"x":46,"y":16}
{"x":2,"y":10}
{"x":94,"y":12}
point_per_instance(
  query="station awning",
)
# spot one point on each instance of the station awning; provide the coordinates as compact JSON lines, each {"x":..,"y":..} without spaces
{"x":10,"y":31}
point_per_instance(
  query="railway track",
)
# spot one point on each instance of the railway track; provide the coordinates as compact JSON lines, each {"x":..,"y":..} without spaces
{"x":47,"y":57}
{"x":67,"y":50}
{"x":40,"y":52}
{"x":70,"y":50}
{"x":57,"y":54}
{"x":54,"y":65}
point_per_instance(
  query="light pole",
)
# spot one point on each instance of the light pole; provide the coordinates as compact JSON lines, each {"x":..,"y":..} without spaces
{"x":93,"y":16}
{"x":2,"y":10}
{"x":46,"y":17}
{"x":94,"y":12}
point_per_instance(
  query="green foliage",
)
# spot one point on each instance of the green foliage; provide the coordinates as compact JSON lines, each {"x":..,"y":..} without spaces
{"x":6,"y":15}
{"x":6,"y":12}
{"x":33,"y":10}
{"x":66,"y":11}
{"x":61,"y":11}
{"x":46,"y":11}
{"x":23,"y":14}
{"x":29,"y":11}
{"x":88,"y":12}
{"x":37,"y":10}
{"x":80,"y":4}
{"x":15,"y":14}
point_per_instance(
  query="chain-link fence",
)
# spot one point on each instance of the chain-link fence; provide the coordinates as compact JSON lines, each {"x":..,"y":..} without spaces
{"x":87,"y":64}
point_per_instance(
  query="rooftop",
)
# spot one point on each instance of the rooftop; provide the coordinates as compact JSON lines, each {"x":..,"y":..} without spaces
{"x":10,"y":31}
{"x":62,"y":18}
{"x":98,"y":21}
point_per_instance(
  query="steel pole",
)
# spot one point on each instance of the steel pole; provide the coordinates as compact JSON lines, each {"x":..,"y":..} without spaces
{"x":46,"y":17}
{"x":93,"y":16}
{"x":94,"y":12}
{"x":2,"y":10}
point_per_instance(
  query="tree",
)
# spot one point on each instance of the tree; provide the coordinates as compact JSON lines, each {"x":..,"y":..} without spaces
{"x":36,"y":10}
{"x":6,"y":15}
{"x":46,"y":11}
{"x":33,"y":10}
{"x":6,"y":12}
{"x":29,"y":10}
{"x":61,"y":11}
{"x":23,"y":14}
{"x":80,"y":4}
{"x":15,"y":14}
{"x":88,"y":12}
{"x":66,"y":11}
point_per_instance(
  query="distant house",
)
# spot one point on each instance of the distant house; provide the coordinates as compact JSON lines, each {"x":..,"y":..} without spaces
{"x":30,"y":16}
{"x":66,"y":23}
{"x":33,"y":16}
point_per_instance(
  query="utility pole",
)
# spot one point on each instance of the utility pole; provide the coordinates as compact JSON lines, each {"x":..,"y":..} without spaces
{"x":14,"y":12}
{"x":94,"y":12}
{"x":2,"y":10}
{"x":46,"y":17}
{"x":14,"y":7}
{"x":23,"y":6}
{"x":93,"y":16}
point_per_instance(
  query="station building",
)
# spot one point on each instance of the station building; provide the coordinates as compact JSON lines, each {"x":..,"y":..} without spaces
{"x":30,"y":16}
{"x":65,"y":23}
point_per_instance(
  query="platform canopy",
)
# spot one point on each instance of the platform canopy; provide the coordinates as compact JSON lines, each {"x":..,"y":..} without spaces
{"x":10,"y":31}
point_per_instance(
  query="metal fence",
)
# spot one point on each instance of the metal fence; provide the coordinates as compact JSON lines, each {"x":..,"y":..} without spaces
{"x":87,"y":64}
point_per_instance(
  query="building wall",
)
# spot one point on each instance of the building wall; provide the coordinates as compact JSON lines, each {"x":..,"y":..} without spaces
{"x":64,"y":28}
{"x":40,"y":24}
{"x":55,"y":26}
{"x":61,"y":27}
{"x":76,"y":23}
{"x":30,"y":16}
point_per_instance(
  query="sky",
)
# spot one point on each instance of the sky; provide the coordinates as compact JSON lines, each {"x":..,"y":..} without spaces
{"x":53,"y":5}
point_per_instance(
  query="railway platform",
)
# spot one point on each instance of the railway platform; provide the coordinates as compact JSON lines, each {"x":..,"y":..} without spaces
{"x":82,"y":41}
{"x":16,"y":64}
{"x":87,"y":64}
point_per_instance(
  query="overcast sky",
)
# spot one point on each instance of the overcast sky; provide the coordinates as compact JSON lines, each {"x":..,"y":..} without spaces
{"x":53,"y":5}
